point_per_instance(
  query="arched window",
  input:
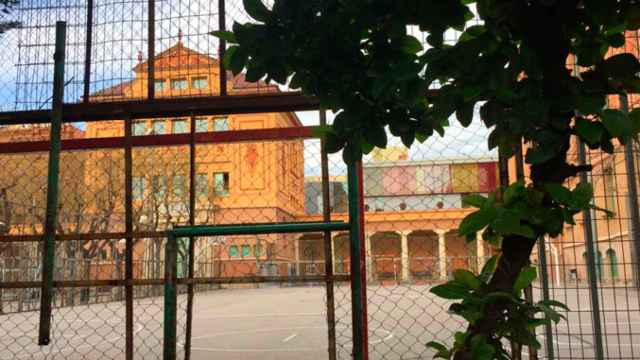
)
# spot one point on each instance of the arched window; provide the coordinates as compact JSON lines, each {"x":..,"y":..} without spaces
{"x":598,"y":263}
{"x":613,"y":263}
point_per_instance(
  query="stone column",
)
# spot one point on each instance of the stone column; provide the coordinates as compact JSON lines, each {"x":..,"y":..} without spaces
{"x":404,"y":255}
{"x":333,"y":253}
{"x":296,"y":247}
{"x":479,"y":250}
{"x":442,"y":253}
{"x":369,"y":255}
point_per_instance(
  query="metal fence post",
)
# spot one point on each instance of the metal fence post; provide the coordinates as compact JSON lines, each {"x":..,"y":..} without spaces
{"x":49,"y":247}
{"x":357,"y":263}
{"x":328,"y":244}
{"x":222,"y":46}
{"x":192,"y":222}
{"x":128,"y":195}
{"x":632,"y":187}
{"x":151,"y":49}
{"x":591,"y":263}
{"x":87,"y":53}
{"x":170,"y":298}
{"x":544,"y":279}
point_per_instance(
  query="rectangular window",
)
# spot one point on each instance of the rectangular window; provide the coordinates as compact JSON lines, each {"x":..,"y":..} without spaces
{"x":202,"y":125}
{"x":159,"y":186}
{"x":178,"y":84}
{"x":202,"y":185}
{"x":246,"y":250}
{"x":137,"y":185}
{"x":257,"y":250}
{"x":610,"y":191}
{"x":199,"y":82}
{"x":221,"y":183}
{"x":160,"y":84}
{"x":233,"y":251}
{"x":158,"y":127}
{"x":180,"y":126}
{"x":221,"y":124}
{"x":139,"y":128}
{"x":179,"y":185}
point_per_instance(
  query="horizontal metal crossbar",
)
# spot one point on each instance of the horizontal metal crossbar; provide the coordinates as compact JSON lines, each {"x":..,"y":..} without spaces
{"x":150,"y":282}
{"x":233,"y":136}
{"x":253,"y":229}
{"x":168,"y":107}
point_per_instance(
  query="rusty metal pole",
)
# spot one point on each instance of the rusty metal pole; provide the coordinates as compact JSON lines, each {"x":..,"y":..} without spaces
{"x":49,"y":246}
{"x":128,"y":215}
{"x":151,"y":49}
{"x":357,"y":262}
{"x":170,"y":341}
{"x":192,"y":222}
{"x":222,"y":47}
{"x":632,"y":187}
{"x":328,"y":244}
{"x":87,"y":52}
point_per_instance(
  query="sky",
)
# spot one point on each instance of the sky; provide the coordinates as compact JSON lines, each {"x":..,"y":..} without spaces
{"x":120,"y":34}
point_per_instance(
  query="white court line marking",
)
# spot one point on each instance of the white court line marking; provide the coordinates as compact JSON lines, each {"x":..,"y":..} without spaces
{"x":389,"y":336}
{"x":289,"y":338}
{"x":240,"y":316}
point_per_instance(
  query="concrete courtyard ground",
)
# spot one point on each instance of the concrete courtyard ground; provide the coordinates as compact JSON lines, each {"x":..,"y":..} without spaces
{"x":287,"y":323}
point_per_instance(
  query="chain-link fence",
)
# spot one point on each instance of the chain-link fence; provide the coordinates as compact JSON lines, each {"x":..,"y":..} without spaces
{"x":149,"y":142}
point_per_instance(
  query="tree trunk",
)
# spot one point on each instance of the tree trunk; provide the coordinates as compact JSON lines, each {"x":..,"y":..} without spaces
{"x":516,"y":251}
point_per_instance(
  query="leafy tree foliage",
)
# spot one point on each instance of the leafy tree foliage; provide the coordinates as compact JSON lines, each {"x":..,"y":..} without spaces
{"x":357,"y":57}
{"x":6,"y":8}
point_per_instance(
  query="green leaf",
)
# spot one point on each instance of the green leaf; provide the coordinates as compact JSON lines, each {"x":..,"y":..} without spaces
{"x":442,"y":352}
{"x":495,"y":296}
{"x":488,"y":269}
{"x":616,"y":122}
{"x":376,"y":135}
{"x":256,"y":9}
{"x":464,"y":114}
{"x":480,"y":349}
{"x":228,"y":55}
{"x":451,"y":291}
{"x":474,"y":200}
{"x":513,"y":192}
{"x":622,"y":65}
{"x":320,"y":131}
{"x":411,"y":45}
{"x":589,"y":131}
{"x":472,"y":32}
{"x":460,"y":337}
{"x":591,"y":104}
{"x":526,"y":231}
{"x":507,"y":222}
{"x":525,"y":278}
{"x":555,"y":303}
{"x":333,"y":144}
{"x":558,"y":193}
{"x":468,"y":278}
{"x":582,"y":195}
{"x":235,"y":59}
{"x":476,"y":221}
{"x":228,"y":36}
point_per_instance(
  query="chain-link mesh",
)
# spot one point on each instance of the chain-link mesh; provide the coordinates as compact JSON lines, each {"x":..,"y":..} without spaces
{"x":412,"y":209}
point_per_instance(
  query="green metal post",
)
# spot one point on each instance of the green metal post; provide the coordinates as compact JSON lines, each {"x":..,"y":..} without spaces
{"x":48,"y":250}
{"x":357,"y":262}
{"x":170,"y":297}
